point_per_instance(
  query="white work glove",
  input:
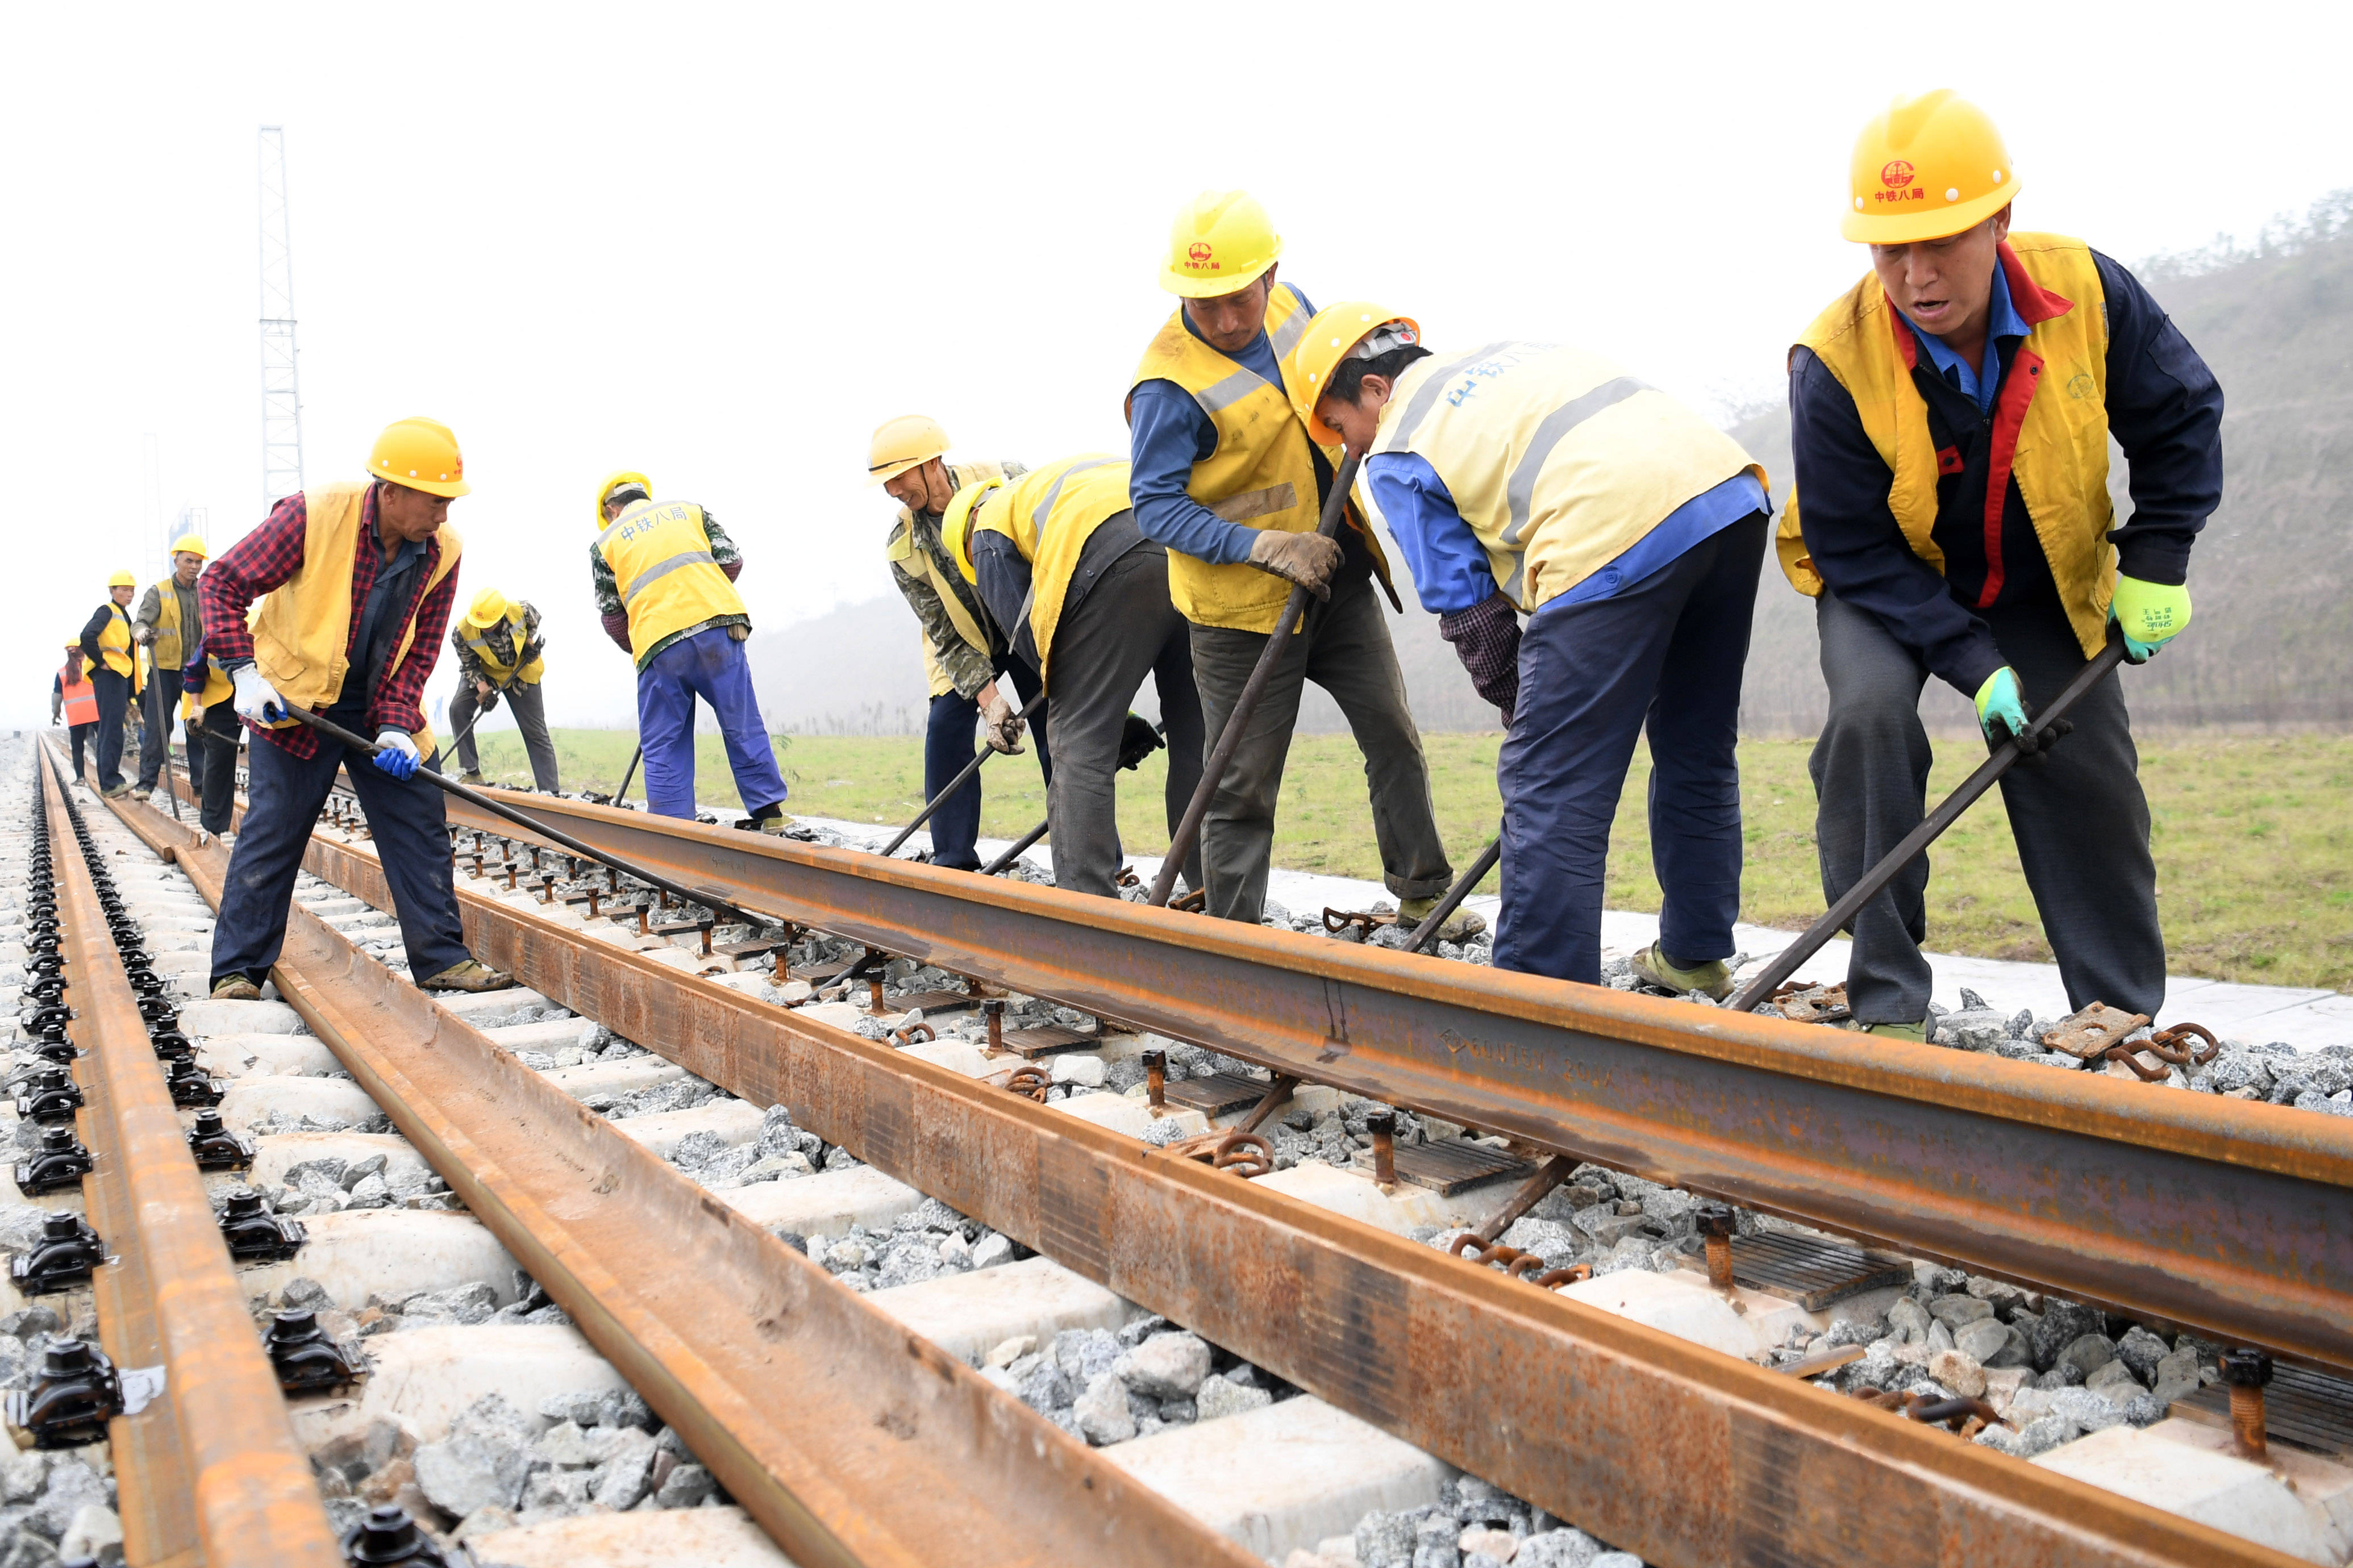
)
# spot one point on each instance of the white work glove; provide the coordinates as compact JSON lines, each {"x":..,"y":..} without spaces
{"x":256,"y":699}
{"x":396,"y":753}
{"x":1003,"y":725}
{"x":1306,"y":558}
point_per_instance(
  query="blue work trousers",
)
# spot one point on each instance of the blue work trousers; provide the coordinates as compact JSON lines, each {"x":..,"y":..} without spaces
{"x":283,"y":800}
{"x":955,"y":827}
{"x":1666,"y":654}
{"x":710,"y":665}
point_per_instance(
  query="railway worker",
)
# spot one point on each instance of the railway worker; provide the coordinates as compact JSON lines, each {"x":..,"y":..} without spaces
{"x":964,"y":650}
{"x":110,"y":653}
{"x":165,"y":623}
{"x":359,"y":579}
{"x":502,"y":652}
{"x":73,"y":701}
{"x":1057,"y":560}
{"x":1226,"y":479}
{"x":211,"y":715}
{"x":1531,"y":479}
{"x":1950,"y":417}
{"x":665,"y":580}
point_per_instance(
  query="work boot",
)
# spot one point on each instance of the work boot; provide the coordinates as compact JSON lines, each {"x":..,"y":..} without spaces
{"x":235,"y":988}
{"x":141,"y":791}
{"x":470,"y":776}
{"x":1462,"y":923}
{"x":117,"y":792}
{"x":1916,"y":1033}
{"x":471,"y":975}
{"x":1711,"y":979}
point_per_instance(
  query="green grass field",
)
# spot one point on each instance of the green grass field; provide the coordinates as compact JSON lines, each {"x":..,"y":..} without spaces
{"x":2254,"y":835}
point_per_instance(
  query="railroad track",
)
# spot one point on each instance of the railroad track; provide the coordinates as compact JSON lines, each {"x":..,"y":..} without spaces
{"x":1681,"y":1454}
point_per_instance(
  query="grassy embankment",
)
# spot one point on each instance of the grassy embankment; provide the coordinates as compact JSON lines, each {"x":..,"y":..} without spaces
{"x":2254,"y":835}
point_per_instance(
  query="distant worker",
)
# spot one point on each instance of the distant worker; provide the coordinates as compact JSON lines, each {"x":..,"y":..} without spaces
{"x":665,"y":580}
{"x":1062,"y":567}
{"x":73,"y":701}
{"x":964,"y":650}
{"x":502,"y":652}
{"x":1950,"y":417}
{"x":209,"y":706}
{"x":1226,"y":477}
{"x":111,"y":655}
{"x":1528,"y":479}
{"x":359,"y":579}
{"x":166,"y":621}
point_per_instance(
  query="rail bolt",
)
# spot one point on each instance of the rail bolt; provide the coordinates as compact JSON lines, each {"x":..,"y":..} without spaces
{"x":2244,"y":1372}
{"x":73,"y":1394}
{"x":1383,"y":1127}
{"x":69,"y":1250}
{"x":304,"y":1358}
{"x":1155,"y":1073}
{"x":993,"y":1010}
{"x":1717,"y":1226}
{"x":389,"y":1535}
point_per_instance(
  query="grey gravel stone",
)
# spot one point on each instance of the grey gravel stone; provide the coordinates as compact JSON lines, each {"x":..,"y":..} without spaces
{"x":2113,"y":1382}
{"x":1102,"y":1411}
{"x":2090,"y":1411}
{"x":2088,"y":1353}
{"x":1616,"y":1560}
{"x":2062,"y":1324}
{"x":625,"y":1477}
{"x":1386,"y":1540}
{"x":2174,"y":1376}
{"x":1956,"y":1312}
{"x":2141,"y":1350}
{"x":687,"y":1486}
{"x":622,"y":1407}
{"x":1565,"y":1548}
{"x":1166,"y":1366}
{"x":1219,"y":1396}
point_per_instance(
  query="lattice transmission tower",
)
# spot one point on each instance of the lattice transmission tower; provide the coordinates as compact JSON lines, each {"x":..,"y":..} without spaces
{"x":282,"y":395}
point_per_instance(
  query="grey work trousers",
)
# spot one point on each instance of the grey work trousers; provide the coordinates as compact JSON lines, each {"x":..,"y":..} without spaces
{"x":1125,"y":629}
{"x":2080,"y":820}
{"x":1345,"y":649}
{"x":529,"y":709}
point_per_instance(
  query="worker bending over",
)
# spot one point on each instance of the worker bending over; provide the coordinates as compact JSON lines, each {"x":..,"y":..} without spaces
{"x":502,"y":652}
{"x":1949,"y":418}
{"x":1226,"y":479}
{"x":207,"y":702}
{"x":109,"y":652}
{"x":73,"y":701}
{"x":1528,"y":479}
{"x":665,"y":579}
{"x":165,"y":625}
{"x":964,"y":650}
{"x":360,"y":579}
{"x":1060,"y":561}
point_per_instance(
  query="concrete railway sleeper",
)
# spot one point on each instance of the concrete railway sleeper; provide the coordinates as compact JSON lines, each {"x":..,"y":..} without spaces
{"x":1626,"y":1415}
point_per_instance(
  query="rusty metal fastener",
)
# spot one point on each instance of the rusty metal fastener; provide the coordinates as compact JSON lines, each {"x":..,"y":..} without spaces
{"x":593,"y":894}
{"x":2173,"y":1043}
{"x":548,"y":889}
{"x":1031,"y":1082}
{"x":2244,"y":1372}
{"x":704,"y":927}
{"x":992,"y":1011}
{"x":1553,"y":1278}
{"x":513,"y":870}
{"x":1155,"y":1069}
{"x":913,"y":1033}
{"x":1383,"y":1127}
{"x":642,"y":920}
{"x":1365,"y":922}
{"x":1245,"y":1154}
{"x":2093,"y":1030}
{"x":1718,"y":1226}
{"x":1192,"y":903}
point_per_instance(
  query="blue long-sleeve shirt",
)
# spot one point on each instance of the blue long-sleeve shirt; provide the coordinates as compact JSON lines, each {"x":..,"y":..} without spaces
{"x":1167,"y":433}
{"x":1449,"y":567}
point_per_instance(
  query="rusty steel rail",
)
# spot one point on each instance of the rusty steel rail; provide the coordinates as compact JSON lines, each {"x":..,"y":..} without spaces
{"x":1692,"y":1459}
{"x":851,"y":1439}
{"x":210,"y":1470}
{"x":2233,"y":1218}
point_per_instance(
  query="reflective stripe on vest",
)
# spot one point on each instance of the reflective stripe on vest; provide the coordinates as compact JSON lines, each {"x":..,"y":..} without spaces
{"x":302,"y":627}
{"x":1261,"y":475}
{"x":80,"y":697}
{"x":663,"y":570}
{"x":1558,"y":461}
{"x":1050,"y":514}
{"x":2062,"y":438}
{"x":114,"y":642}
{"x":166,"y":646}
{"x":477,"y":643}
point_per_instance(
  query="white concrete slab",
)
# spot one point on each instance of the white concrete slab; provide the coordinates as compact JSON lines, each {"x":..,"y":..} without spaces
{"x":248,"y":1055}
{"x":668,"y":1538}
{"x":614,"y":1078}
{"x":252,"y":1100}
{"x":968,"y":1315}
{"x":2215,"y":1488}
{"x":735,"y":1121}
{"x":827,"y":1204}
{"x":1121,"y":1114}
{"x":204,"y":1018}
{"x":423,"y":1378}
{"x":1677,"y":1304}
{"x":390,"y":1253}
{"x":548,"y":1035}
{"x":1352,"y":1194}
{"x":280,"y":1152}
{"x":475,"y":1004}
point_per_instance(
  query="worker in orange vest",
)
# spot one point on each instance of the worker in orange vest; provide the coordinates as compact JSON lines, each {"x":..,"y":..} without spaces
{"x":74,"y":701}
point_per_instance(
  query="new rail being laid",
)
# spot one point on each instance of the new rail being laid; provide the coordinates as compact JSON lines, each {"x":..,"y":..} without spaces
{"x":1686,"y":1456}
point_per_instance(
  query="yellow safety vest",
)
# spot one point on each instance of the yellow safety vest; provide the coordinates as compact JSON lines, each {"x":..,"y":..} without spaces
{"x":901,"y":550}
{"x":114,"y":643}
{"x":1557,"y":459}
{"x":217,"y":687}
{"x":2060,"y":461}
{"x":478,"y":642}
{"x":1261,"y":475}
{"x":1050,"y":513}
{"x":663,"y":569}
{"x":80,"y":695}
{"x":301,"y":627}
{"x":169,"y":653}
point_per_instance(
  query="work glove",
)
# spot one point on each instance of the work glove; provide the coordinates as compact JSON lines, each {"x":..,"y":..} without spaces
{"x":2003,"y":714}
{"x":487,"y":701}
{"x":1486,"y":639}
{"x":396,"y":753}
{"x":2151,"y":614}
{"x":1306,"y":558}
{"x":1002,"y":724}
{"x":256,"y":699}
{"x":146,"y":635}
{"x":1137,"y":741}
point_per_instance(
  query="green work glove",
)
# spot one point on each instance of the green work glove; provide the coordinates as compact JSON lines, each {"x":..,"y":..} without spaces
{"x":2151,"y":614}
{"x":2003,"y":715}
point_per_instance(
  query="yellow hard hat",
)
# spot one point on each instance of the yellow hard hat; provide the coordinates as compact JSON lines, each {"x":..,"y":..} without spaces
{"x":189,"y":544}
{"x":955,"y":525}
{"x":613,"y":481}
{"x":421,"y":453}
{"x":488,"y":608}
{"x":1221,"y":241}
{"x":122,"y":580}
{"x":1331,"y":337}
{"x":1928,"y":167}
{"x":906,"y":442}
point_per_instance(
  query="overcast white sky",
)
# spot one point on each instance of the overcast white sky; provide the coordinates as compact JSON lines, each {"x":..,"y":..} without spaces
{"x":721,"y":243}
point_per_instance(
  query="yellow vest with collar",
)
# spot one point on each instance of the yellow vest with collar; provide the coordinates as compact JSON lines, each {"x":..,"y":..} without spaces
{"x":901,"y":551}
{"x":114,"y":643}
{"x":2061,"y":461}
{"x":169,"y":649}
{"x":477,"y":643}
{"x":1050,"y":513}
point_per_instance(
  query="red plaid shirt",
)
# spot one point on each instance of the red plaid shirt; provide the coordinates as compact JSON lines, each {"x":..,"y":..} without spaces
{"x":270,"y":554}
